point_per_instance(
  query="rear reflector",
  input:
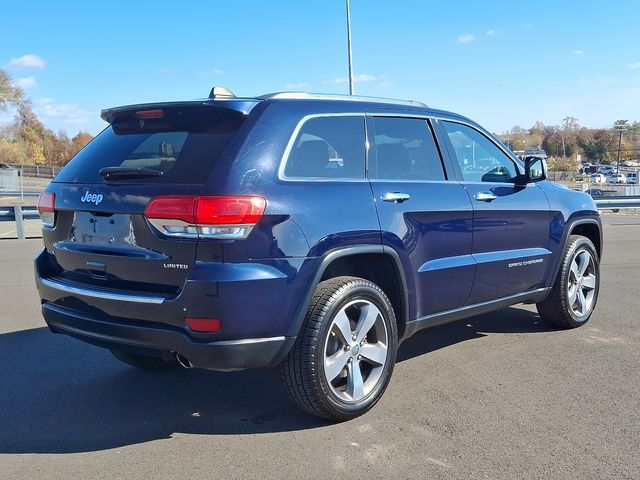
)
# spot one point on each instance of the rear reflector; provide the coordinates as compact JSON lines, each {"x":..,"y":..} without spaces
{"x":210,"y":325}
{"x":206,"y":216}
{"x":47,"y":208}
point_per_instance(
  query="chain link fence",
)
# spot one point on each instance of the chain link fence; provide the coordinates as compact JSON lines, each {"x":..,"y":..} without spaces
{"x":9,"y":180}
{"x":38,"y":171}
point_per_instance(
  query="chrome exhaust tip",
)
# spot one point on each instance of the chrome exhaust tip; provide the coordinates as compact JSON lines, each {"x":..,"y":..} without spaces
{"x":183,"y":361}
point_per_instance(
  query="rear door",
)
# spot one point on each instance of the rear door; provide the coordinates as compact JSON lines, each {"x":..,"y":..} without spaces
{"x":510,"y":220}
{"x":101,"y":236}
{"x":424,"y":217}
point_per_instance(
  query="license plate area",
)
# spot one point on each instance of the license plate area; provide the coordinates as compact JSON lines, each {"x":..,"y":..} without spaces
{"x":102,"y":229}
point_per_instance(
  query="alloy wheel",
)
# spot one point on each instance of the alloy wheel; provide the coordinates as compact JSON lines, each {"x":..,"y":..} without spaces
{"x":355,"y":351}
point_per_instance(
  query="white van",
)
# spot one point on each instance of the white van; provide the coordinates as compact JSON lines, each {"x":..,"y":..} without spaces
{"x":632,"y":178}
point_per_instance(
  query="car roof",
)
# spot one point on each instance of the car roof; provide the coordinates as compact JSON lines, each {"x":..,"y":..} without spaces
{"x":223,"y":98}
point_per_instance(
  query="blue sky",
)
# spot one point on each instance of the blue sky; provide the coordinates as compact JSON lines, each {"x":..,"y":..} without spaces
{"x":500,"y":63}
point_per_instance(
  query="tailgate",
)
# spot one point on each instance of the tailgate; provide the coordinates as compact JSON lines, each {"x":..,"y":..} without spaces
{"x":111,"y":244}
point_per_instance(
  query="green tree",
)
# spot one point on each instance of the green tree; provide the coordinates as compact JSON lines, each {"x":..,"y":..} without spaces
{"x":597,"y":145}
{"x":621,"y":125}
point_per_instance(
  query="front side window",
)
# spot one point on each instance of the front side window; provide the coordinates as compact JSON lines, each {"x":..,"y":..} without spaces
{"x":480,"y":159}
{"x":404,"y":150}
{"x":328,"y":147}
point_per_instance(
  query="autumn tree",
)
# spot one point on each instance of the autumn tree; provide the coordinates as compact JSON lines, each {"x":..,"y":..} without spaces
{"x":31,"y":131}
{"x":27,"y":140}
{"x":10,"y":93}
{"x":79,"y":141}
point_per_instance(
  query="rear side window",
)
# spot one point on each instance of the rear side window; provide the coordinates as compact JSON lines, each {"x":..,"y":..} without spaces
{"x":183,"y":144}
{"x":404,"y":150}
{"x":328,"y":147}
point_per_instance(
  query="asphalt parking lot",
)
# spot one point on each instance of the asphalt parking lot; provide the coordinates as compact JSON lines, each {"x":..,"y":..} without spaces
{"x":499,"y":396}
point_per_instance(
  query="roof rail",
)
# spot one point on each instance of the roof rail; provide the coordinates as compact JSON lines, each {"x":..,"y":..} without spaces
{"x":347,"y":98}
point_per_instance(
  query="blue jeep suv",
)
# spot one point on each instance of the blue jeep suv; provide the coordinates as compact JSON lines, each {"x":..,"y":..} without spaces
{"x":310,"y":232}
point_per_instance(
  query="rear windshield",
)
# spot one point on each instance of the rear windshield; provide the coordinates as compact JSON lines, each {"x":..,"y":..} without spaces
{"x":184,"y":144}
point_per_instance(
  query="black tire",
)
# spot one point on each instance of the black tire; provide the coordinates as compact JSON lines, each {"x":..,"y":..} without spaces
{"x":145,"y":362}
{"x":557,"y":309}
{"x":303,"y":370}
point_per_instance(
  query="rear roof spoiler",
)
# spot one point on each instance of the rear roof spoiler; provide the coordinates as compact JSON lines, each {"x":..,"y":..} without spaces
{"x":243,"y":105}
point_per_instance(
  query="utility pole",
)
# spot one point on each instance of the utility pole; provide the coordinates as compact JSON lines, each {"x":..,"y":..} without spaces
{"x":621,"y":126}
{"x":349,"y":49}
{"x":619,"y":148}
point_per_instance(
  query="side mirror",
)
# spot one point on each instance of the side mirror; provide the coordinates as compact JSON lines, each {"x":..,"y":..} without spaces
{"x":535,"y":169}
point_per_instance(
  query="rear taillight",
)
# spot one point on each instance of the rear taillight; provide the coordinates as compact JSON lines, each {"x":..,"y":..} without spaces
{"x":212,"y":217}
{"x":47,"y":208}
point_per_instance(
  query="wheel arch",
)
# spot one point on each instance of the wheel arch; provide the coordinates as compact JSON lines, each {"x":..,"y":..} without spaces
{"x":372,"y":262}
{"x":589,"y":228}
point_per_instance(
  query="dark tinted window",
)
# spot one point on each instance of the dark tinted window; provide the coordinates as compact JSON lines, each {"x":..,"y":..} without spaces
{"x":480,"y":159}
{"x":404,"y":150}
{"x":328,"y":147}
{"x":184,"y":144}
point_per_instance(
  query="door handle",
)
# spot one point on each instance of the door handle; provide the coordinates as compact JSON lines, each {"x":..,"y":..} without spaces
{"x":395,"y":197}
{"x":485,"y":197}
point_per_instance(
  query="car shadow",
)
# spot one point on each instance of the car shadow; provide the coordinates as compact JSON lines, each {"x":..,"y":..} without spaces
{"x":508,"y":320}
{"x":62,"y":396}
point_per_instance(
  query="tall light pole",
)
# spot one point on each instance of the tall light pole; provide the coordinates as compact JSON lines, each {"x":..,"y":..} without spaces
{"x":349,"y":49}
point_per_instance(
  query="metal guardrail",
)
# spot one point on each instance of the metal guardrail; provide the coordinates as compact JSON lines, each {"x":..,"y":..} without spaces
{"x":617,"y":203}
{"x":19,"y":194}
{"x":19,"y":214}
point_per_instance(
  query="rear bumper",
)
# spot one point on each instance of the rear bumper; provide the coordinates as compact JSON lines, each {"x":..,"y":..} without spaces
{"x":163,"y":341}
{"x":247,"y":298}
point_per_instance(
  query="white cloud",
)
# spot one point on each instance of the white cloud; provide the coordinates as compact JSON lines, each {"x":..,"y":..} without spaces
{"x":215,"y":72}
{"x":490,"y":33}
{"x":363,"y":77}
{"x":297,"y":85}
{"x":634,"y":65}
{"x":578,"y":52}
{"x":68,"y":113}
{"x":27,"y":61}
{"x":26,"y":82}
{"x":466,"y":38}
{"x":336,"y":81}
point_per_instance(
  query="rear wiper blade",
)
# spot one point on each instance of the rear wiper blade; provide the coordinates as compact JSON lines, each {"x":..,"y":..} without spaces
{"x":110,"y":172}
